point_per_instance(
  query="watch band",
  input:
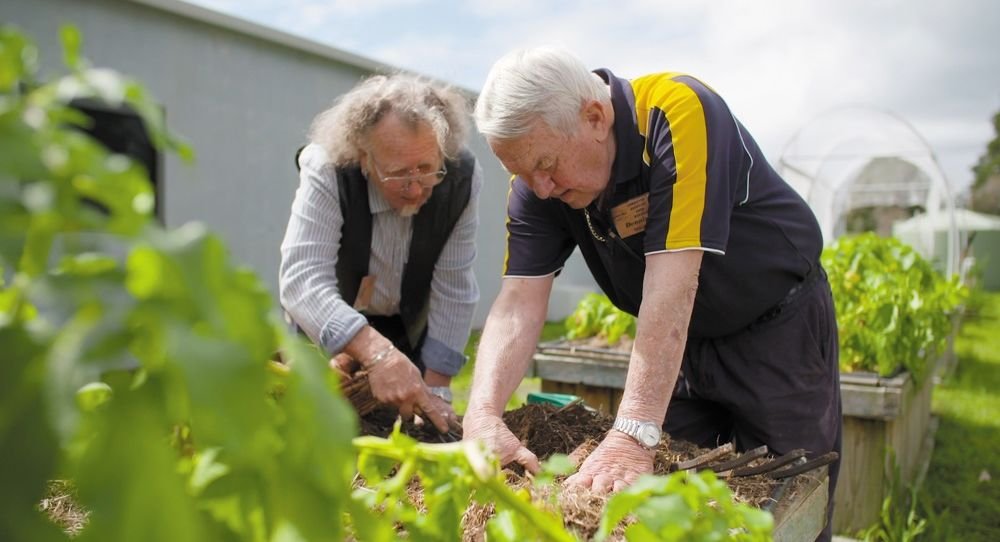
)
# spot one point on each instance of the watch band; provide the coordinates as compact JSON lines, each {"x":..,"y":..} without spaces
{"x":628,"y":426}
{"x":647,"y":434}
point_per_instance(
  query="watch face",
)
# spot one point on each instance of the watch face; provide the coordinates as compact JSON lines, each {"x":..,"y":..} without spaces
{"x":649,"y":435}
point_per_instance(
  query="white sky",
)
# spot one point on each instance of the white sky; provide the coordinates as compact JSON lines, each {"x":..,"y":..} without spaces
{"x":778,"y":63}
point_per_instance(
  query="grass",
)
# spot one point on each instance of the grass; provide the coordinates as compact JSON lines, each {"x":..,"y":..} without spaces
{"x":959,"y":497}
{"x":463,"y":380}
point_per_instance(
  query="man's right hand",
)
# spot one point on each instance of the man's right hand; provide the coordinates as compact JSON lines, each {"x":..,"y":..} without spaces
{"x":397,"y":381}
{"x":491,"y":430}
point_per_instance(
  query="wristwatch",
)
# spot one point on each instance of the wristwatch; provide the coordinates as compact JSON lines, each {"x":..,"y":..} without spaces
{"x":444,"y":392}
{"x":647,"y":434}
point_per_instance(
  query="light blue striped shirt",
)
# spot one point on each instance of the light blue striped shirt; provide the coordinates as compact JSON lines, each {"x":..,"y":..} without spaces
{"x":308,"y":279}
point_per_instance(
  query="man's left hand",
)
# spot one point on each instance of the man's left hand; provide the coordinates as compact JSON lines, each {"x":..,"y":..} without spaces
{"x":614,"y":465}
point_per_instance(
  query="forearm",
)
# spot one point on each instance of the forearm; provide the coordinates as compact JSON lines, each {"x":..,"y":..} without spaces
{"x":366,"y":345}
{"x":661,"y":335}
{"x":508,"y":343}
{"x":434,"y":378}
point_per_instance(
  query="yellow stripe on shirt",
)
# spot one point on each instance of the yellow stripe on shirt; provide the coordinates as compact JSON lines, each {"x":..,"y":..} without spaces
{"x":506,"y":250}
{"x":686,"y":119}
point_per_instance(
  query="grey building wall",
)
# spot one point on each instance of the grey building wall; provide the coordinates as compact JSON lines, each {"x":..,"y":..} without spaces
{"x":243,"y":96}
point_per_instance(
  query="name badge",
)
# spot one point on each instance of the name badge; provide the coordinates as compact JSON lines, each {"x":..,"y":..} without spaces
{"x":630,"y":217}
{"x":365,"y":289}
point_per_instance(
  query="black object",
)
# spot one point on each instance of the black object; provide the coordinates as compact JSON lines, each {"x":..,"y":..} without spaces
{"x":121,"y":130}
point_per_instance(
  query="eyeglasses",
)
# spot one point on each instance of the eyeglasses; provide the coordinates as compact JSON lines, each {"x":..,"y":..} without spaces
{"x":402,"y":182}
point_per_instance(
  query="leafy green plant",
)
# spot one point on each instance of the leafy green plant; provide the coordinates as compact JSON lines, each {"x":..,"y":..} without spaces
{"x":684,"y":506}
{"x":449,"y":477}
{"x":893,"y":309}
{"x":118,"y":334}
{"x":895,"y":524}
{"x":595,"y":315}
{"x":898,"y":519}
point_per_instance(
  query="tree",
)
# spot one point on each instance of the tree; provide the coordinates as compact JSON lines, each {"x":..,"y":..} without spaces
{"x":986,"y":186}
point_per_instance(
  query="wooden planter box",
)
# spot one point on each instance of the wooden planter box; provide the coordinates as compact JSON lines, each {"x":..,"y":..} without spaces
{"x":595,"y":374}
{"x":800,"y":515}
{"x":881,"y":415}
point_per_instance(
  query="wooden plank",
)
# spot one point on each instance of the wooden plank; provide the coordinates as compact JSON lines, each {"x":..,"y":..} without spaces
{"x":802,"y":516}
{"x":573,"y":350}
{"x":580,"y":371}
{"x":869,"y":396}
{"x":907,"y":432}
{"x":859,"y":493}
{"x":876,"y":402}
{"x":872,"y":379}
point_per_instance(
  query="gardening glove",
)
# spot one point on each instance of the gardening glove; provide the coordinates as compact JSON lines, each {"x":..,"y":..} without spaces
{"x":614,"y":465}
{"x":494,"y":433}
{"x":397,"y":381}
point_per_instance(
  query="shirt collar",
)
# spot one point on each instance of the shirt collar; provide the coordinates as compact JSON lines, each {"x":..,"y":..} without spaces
{"x":628,"y":142}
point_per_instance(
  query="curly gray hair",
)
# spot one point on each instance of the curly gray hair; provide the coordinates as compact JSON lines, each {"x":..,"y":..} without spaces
{"x":342,"y":130}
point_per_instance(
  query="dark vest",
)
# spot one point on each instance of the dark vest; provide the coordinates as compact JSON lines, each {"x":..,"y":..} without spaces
{"x":432,"y":226}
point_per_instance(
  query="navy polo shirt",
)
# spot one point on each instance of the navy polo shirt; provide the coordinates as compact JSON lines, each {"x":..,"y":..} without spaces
{"x":709,"y":188}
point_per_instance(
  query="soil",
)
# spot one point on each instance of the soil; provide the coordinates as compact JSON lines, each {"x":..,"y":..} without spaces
{"x":575,"y":430}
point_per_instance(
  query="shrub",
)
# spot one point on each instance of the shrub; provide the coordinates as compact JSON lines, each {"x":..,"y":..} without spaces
{"x":893,"y":309}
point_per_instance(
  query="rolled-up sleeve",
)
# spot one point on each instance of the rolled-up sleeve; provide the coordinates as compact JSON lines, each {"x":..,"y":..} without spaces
{"x":307,"y":279}
{"x":454,"y":291}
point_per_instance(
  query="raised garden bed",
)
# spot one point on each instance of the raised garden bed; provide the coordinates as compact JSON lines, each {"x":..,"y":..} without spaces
{"x":887,"y":425}
{"x":882,"y":417}
{"x":798,"y":503}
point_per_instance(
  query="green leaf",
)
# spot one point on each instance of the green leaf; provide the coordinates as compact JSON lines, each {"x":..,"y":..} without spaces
{"x":207,"y":469}
{"x":91,"y":396}
{"x":127,"y":478}
{"x":28,"y":442}
{"x":555,"y":465}
{"x":502,"y":527}
{"x":71,"y":42}
{"x":18,"y":59}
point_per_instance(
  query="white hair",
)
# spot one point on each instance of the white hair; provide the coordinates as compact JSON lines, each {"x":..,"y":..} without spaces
{"x":528,"y":85}
{"x":342,"y":130}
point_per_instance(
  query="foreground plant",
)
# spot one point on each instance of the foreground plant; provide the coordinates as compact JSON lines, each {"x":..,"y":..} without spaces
{"x":449,"y":478}
{"x":684,"y":506}
{"x":117,"y":333}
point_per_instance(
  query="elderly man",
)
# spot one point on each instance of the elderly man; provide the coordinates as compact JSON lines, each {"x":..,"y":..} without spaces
{"x":683,"y":223}
{"x":377,"y":257}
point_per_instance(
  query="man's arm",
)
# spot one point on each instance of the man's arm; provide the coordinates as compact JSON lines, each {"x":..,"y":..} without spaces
{"x":669,"y":288}
{"x":508,"y":342}
{"x":307,"y":279}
